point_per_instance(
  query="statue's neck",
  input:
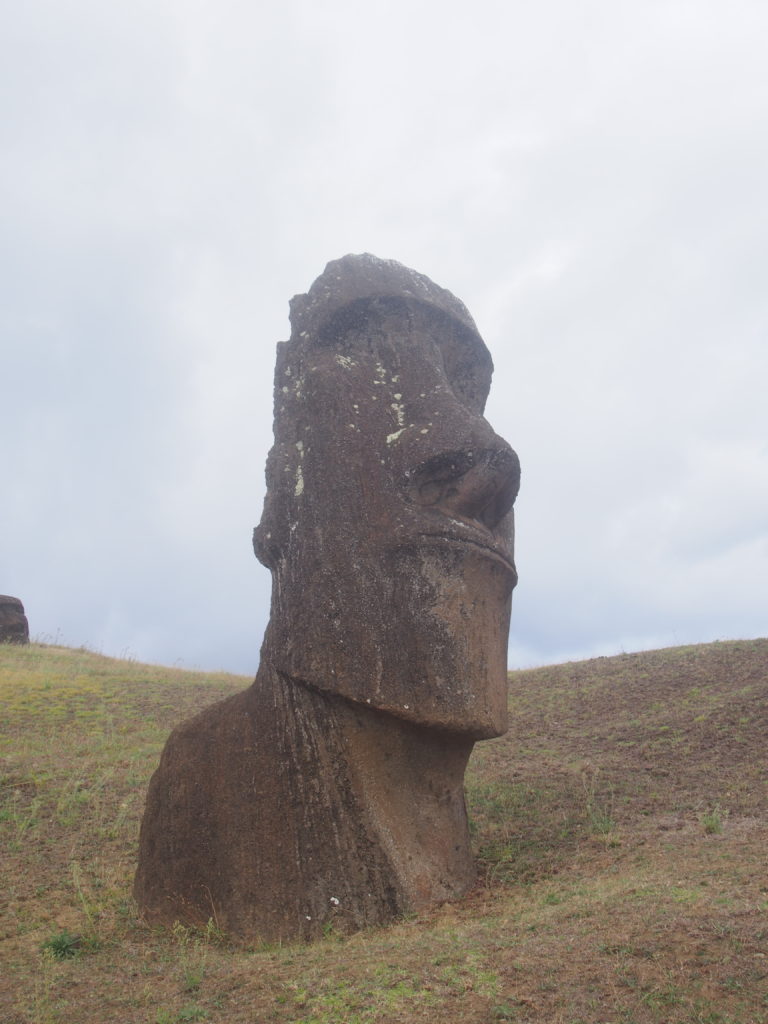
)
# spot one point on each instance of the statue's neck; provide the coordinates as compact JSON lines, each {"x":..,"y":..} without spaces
{"x":406,"y":781}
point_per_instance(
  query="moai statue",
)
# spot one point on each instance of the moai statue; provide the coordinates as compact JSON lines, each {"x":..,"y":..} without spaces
{"x":14,"y":627}
{"x":332,"y":789}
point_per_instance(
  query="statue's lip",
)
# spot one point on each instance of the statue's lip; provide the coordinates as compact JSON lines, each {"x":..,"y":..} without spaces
{"x":484,"y":547}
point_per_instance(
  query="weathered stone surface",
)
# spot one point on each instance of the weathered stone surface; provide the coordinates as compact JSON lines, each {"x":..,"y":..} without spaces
{"x":332,"y":789}
{"x":14,"y":628}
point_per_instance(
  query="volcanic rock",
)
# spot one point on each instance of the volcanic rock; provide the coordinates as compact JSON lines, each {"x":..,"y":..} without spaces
{"x":14,"y":628}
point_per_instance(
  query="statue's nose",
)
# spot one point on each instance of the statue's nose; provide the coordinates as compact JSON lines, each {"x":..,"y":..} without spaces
{"x":474,"y":484}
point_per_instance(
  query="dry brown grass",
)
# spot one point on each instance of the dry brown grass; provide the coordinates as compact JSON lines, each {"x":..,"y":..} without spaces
{"x":621,"y":832}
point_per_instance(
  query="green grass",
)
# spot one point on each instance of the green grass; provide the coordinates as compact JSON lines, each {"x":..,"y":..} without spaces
{"x":620,"y":830}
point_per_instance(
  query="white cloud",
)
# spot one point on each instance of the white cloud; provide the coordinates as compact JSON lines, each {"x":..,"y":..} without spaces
{"x":587,"y":178}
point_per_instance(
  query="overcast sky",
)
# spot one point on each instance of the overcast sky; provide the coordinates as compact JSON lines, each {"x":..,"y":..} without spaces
{"x":589,"y":178}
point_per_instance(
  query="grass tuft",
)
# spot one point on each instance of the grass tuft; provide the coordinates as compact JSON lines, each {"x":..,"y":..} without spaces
{"x":63,"y":945}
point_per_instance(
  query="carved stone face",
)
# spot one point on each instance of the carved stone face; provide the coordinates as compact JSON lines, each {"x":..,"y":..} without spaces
{"x":388,"y":522}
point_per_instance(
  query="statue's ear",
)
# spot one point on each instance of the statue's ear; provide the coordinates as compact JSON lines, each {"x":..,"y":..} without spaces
{"x":266,"y":550}
{"x":270,"y":537}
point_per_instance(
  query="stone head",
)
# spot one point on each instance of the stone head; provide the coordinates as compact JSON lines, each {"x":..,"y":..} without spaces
{"x":388,"y":523}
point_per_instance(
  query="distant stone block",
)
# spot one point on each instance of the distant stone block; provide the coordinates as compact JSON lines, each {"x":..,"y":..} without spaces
{"x":14,"y":628}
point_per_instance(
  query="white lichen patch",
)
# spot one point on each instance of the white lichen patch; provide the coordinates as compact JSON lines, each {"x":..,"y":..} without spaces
{"x":391,"y":438}
{"x":344,"y":361}
{"x":299,"y":488}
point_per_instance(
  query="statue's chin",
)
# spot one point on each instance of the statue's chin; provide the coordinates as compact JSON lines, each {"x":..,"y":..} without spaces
{"x":430,"y":650}
{"x":458,"y":700}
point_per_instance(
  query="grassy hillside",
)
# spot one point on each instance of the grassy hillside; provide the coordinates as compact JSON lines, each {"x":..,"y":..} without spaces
{"x":621,"y":830}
